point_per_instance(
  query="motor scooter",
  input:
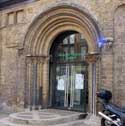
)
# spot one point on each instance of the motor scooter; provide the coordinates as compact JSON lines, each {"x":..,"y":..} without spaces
{"x":112,"y":115}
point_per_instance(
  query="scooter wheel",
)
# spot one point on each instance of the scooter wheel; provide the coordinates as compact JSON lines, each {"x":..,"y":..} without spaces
{"x":104,"y":123}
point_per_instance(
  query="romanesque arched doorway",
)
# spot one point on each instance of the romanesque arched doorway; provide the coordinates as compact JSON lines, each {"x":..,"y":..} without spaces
{"x":39,"y":43}
{"x":69,"y":72}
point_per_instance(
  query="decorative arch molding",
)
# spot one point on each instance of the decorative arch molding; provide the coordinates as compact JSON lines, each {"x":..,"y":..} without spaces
{"x":39,"y":39}
{"x":118,"y":8}
{"x":58,"y":19}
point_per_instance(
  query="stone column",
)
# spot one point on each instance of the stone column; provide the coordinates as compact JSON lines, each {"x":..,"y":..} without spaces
{"x":92,"y":58}
{"x":29,"y":82}
{"x":33,"y":87}
{"x":90,"y":87}
{"x":40,"y":80}
{"x":45,"y":82}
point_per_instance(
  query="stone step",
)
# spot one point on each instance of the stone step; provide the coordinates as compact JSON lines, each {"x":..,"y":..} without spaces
{"x":73,"y":123}
{"x":90,"y":120}
{"x":6,"y":122}
{"x":42,"y":118}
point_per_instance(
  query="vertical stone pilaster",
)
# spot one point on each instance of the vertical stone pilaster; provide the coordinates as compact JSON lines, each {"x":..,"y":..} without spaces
{"x":40,"y":81}
{"x":46,"y":82}
{"x":34,"y":81}
{"x":119,"y":56}
{"x":90,"y":87}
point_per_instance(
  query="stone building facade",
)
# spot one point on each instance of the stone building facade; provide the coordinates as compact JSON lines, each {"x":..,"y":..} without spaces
{"x":28,"y":30}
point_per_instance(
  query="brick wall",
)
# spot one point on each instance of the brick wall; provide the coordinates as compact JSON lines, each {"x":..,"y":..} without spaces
{"x":14,"y":23}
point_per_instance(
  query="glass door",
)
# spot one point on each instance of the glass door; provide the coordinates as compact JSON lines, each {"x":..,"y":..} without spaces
{"x":70,"y":88}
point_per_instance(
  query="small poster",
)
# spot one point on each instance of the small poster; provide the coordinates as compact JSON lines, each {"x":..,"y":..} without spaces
{"x":79,"y":81}
{"x":61,"y":83}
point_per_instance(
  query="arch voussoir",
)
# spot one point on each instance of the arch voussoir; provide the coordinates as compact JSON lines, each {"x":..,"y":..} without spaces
{"x":64,"y":15}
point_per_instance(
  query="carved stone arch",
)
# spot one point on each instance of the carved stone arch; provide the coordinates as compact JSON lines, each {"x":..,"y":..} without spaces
{"x":41,"y":33}
{"x":117,"y":7}
{"x":56,"y":17}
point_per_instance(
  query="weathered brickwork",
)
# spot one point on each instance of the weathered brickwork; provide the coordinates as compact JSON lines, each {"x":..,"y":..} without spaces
{"x":119,"y":57}
{"x":14,"y":25}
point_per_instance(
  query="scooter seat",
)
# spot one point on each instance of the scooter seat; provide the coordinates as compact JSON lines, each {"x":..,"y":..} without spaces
{"x":117,"y":108}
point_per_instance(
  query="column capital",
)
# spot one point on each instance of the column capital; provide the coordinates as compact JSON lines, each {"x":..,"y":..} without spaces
{"x":92,"y":57}
{"x":37,"y":59}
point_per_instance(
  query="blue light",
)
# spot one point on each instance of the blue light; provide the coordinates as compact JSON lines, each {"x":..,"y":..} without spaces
{"x":101,"y":41}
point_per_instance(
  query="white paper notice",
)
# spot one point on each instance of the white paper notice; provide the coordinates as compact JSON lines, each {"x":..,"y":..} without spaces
{"x":79,"y":81}
{"x":61,"y":84}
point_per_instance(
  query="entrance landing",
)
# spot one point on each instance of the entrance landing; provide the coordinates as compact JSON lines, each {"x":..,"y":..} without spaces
{"x":45,"y":117}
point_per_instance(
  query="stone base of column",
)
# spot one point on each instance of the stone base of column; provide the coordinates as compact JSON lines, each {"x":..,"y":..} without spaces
{"x":45,"y":101}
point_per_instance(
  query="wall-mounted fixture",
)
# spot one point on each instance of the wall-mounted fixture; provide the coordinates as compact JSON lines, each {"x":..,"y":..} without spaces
{"x":106,"y":41}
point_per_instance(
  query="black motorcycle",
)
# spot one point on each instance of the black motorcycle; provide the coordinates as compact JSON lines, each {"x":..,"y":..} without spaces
{"x":112,"y":115}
